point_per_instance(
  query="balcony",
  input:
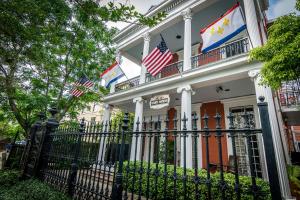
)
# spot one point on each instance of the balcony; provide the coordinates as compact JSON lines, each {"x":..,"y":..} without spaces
{"x":131,"y":83}
{"x":289,"y":94}
{"x":229,"y":50}
{"x":289,"y":99}
{"x":169,"y":70}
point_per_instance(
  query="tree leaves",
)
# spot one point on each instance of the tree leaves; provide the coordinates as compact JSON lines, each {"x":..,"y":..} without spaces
{"x":281,"y":54}
{"x":46,"y":45}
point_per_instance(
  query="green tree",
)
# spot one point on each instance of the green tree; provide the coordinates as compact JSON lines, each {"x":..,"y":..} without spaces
{"x":281,"y":54}
{"x":46,"y":45}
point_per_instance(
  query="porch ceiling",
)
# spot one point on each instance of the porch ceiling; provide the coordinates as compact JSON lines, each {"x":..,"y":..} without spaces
{"x":237,"y":88}
{"x":200,"y":19}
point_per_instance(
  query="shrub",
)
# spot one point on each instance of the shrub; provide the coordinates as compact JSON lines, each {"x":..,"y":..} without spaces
{"x":8,"y":178}
{"x":33,"y":190}
{"x":11,"y":188}
{"x":157,"y":191}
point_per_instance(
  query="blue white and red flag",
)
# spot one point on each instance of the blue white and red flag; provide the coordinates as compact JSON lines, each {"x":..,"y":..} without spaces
{"x":223,"y":29}
{"x":112,"y":74}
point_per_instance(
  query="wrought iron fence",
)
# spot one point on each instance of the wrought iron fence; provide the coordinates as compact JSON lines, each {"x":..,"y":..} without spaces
{"x":289,"y":93}
{"x":109,"y":161}
{"x":232,"y":49}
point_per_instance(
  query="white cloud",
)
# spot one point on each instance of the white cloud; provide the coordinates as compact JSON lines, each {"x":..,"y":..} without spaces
{"x":280,"y":8}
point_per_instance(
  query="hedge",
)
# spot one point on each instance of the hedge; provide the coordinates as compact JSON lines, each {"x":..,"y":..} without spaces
{"x":11,"y":188}
{"x":245,"y":183}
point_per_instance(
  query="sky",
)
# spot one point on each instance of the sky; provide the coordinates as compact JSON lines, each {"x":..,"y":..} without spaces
{"x":277,"y":8}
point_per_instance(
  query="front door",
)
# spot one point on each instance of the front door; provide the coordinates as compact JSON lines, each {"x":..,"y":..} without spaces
{"x":210,"y":109}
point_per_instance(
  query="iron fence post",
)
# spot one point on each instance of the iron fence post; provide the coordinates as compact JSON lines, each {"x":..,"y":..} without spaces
{"x":118,"y":185}
{"x":74,"y":165}
{"x":51,"y":125}
{"x":29,"y":144}
{"x":269,"y":149}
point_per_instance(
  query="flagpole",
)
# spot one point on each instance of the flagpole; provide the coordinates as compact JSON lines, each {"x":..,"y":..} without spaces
{"x":244,"y":19}
{"x":177,"y":61}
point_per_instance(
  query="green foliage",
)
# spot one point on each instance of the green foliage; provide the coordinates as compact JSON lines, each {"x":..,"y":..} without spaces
{"x":245,"y":183}
{"x":117,"y":120}
{"x":170,"y":151}
{"x":294,"y":177}
{"x":11,"y":188}
{"x":281,"y":54}
{"x":8,"y":178}
{"x":8,"y":127}
{"x":298,"y":4}
{"x":33,"y":190}
{"x":46,"y":45}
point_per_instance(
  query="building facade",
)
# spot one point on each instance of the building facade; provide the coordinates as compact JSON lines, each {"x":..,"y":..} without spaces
{"x":222,"y":79}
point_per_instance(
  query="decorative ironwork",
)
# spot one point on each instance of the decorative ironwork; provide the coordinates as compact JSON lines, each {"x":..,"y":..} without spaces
{"x":131,"y":83}
{"x":234,"y":48}
{"x":169,"y":70}
{"x":92,"y":161}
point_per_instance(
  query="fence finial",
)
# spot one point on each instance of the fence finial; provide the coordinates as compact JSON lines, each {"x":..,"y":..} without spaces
{"x":82,"y":125}
{"x":218,"y":120}
{"x":194,"y":120}
{"x":205,"y":120}
{"x":261,"y":99}
{"x":184,"y":120}
{"x":125,"y":121}
{"x":167,"y":122}
{"x":137,"y":124}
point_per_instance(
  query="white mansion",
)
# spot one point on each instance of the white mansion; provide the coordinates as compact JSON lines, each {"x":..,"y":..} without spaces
{"x":222,"y":79}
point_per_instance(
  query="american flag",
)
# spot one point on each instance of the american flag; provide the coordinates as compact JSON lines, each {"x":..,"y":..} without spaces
{"x":84,"y":81}
{"x":76,"y":92}
{"x":158,"y":58}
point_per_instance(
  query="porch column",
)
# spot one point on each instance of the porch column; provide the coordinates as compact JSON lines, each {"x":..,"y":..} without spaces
{"x":186,"y":109}
{"x":187,"y":17}
{"x":252,"y":23}
{"x":277,"y":140}
{"x":106,"y":118}
{"x":146,"y":37}
{"x":139,"y":107}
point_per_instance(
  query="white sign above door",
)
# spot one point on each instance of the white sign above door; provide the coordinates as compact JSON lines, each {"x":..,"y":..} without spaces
{"x":159,"y":101}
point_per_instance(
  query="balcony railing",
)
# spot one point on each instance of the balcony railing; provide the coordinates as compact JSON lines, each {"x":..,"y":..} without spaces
{"x":229,"y":50}
{"x":234,"y":48}
{"x":128,"y":84}
{"x":289,"y":93}
{"x":169,"y":70}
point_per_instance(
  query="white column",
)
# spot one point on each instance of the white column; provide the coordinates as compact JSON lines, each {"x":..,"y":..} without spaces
{"x":187,"y":17}
{"x":186,"y":109}
{"x":106,"y":118}
{"x":279,"y":152}
{"x":139,"y":107}
{"x":146,"y":37}
{"x":252,"y":25}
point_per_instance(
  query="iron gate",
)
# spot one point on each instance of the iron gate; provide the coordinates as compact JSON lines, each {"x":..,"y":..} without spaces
{"x":111,"y":161}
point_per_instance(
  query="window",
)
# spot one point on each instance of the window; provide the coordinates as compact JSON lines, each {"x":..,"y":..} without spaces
{"x":241,"y":142}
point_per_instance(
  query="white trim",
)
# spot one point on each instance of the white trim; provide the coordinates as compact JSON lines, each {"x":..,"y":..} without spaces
{"x":222,"y":71}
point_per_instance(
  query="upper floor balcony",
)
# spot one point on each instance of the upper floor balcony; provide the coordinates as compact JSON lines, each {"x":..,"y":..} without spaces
{"x":289,"y":94}
{"x":181,"y":30}
{"x":229,"y":50}
{"x":289,"y":99}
